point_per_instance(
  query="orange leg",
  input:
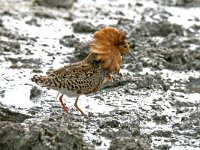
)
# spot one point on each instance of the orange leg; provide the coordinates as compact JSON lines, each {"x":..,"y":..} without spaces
{"x":76,"y":105}
{"x":63,"y":104}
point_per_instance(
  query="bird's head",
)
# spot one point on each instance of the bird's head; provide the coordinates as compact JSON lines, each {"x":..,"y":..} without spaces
{"x":108,"y":44}
{"x":124,"y":47}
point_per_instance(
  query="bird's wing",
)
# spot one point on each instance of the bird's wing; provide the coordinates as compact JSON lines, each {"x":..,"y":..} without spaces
{"x":73,"y":70}
{"x":81,"y":77}
{"x":63,"y":70}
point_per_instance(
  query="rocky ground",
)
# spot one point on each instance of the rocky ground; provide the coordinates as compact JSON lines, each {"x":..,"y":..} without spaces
{"x":153,"y":103}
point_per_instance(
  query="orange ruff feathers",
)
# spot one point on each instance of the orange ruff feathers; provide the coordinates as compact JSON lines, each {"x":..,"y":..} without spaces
{"x":106,"y":45}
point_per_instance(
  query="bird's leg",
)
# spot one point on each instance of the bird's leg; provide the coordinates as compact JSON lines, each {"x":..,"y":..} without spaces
{"x":63,"y":104}
{"x":76,"y":105}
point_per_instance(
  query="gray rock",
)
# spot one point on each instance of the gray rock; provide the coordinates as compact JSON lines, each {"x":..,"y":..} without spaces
{"x":133,"y":143}
{"x":38,"y":137}
{"x":35,"y":92}
{"x":7,"y":115}
{"x":58,"y":3}
{"x":69,"y":41}
{"x":83,"y":27}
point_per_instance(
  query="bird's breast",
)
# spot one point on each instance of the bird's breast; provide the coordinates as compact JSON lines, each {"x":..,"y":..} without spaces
{"x":65,"y":91}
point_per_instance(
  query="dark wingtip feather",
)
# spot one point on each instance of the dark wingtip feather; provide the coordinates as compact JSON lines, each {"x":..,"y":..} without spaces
{"x":40,"y":80}
{"x":34,"y":78}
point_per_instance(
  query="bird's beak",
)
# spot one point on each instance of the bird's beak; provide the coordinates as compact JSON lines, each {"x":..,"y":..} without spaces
{"x":129,"y":52}
{"x":132,"y":56}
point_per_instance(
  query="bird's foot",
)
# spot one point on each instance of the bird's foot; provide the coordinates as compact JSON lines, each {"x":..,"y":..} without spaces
{"x":82,"y":113}
{"x":65,"y":108}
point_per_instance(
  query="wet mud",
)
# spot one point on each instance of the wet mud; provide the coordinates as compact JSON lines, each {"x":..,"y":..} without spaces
{"x":153,"y":103}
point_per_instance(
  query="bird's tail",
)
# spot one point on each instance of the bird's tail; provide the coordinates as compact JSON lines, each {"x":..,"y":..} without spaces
{"x":42,"y":81}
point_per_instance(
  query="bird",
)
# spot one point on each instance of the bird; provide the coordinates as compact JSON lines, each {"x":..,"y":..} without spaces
{"x":88,"y":75}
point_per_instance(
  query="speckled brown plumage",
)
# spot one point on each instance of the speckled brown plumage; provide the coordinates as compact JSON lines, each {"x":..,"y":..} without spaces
{"x":88,"y":75}
{"x":82,"y":78}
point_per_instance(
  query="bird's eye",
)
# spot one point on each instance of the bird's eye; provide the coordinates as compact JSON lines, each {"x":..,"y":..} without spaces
{"x":124,"y":46}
